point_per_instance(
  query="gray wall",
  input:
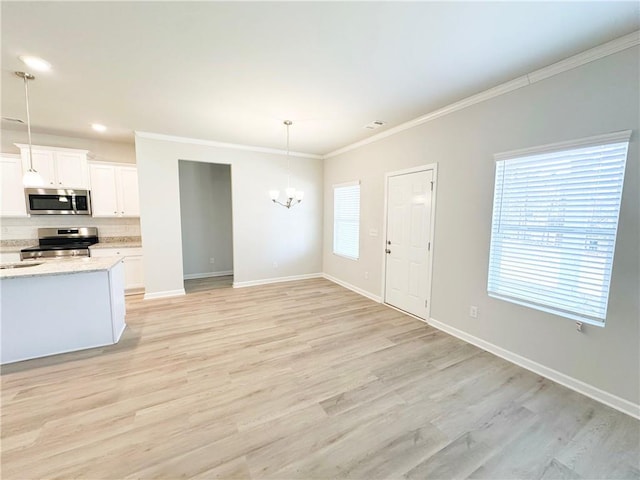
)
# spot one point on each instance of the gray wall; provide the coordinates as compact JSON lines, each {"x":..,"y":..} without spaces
{"x":596,"y":98}
{"x":205,"y":209}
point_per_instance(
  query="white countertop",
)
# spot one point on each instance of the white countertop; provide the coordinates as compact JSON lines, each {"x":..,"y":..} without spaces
{"x":60,"y":267}
{"x":100,"y":245}
{"x":17,"y":248}
{"x":14,"y":246}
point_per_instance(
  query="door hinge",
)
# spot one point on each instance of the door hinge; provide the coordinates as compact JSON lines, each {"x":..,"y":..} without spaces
{"x":429,"y":246}
{"x":432,"y":186}
{"x":426,"y":302}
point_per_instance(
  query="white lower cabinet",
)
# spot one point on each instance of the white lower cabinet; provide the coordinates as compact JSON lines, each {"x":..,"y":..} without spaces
{"x":133,"y":269}
{"x":134,"y":274}
{"x":9,"y":257}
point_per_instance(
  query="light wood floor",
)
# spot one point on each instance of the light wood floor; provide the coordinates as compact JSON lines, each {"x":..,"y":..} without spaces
{"x":209,"y":283}
{"x":298,"y":380}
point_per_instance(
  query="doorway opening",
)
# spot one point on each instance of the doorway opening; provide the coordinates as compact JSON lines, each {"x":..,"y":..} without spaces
{"x":410,"y":210}
{"x":206,"y":222}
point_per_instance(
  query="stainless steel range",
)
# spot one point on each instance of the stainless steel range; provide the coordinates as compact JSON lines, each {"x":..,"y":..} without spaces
{"x":61,"y":242}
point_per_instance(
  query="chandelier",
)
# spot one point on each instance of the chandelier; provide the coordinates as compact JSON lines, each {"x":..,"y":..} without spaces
{"x":293,"y":196}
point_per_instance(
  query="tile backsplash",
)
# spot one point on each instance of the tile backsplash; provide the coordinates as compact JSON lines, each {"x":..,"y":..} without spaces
{"x":27,"y":228}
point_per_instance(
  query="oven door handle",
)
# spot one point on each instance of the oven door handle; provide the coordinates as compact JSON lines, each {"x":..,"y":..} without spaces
{"x":73,"y":204}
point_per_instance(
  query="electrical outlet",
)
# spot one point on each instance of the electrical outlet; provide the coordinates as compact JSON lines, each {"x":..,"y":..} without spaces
{"x":212,"y":260}
{"x":473,"y":311}
{"x":366,"y":275}
{"x":275,"y":264}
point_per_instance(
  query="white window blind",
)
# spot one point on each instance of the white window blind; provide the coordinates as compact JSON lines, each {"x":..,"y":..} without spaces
{"x":555,"y":217}
{"x":346,"y":220}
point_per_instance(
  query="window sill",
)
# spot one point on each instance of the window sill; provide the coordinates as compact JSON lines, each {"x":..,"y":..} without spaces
{"x":355,"y":259}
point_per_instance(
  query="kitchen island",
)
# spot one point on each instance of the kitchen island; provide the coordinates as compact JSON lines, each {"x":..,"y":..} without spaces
{"x":58,"y":306}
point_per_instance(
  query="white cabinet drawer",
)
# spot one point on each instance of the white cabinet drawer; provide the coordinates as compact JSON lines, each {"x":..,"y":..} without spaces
{"x":111,"y":252}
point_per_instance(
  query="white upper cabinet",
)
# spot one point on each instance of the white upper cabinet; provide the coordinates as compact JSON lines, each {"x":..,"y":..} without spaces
{"x":59,"y":167}
{"x":104,"y":201}
{"x":72,"y":169}
{"x":127,"y":178}
{"x":44,"y":164}
{"x":12,"y":201}
{"x":114,"y":190}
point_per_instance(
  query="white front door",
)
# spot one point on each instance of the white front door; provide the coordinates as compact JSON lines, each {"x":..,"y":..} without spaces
{"x":408,"y":255}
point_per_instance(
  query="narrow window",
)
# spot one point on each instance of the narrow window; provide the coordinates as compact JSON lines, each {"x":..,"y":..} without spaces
{"x":555,"y":218}
{"x":346,"y":220}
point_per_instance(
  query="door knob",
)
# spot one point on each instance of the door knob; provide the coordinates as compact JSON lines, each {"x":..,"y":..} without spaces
{"x":387,"y":251}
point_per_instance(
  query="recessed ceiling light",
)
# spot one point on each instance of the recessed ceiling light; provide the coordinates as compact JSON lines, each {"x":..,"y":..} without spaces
{"x":35,"y":63}
{"x":375,"y":124}
{"x":98,"y":128}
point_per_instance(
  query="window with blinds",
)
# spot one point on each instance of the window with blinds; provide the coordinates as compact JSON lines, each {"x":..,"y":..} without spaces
{"x":346,"y":220}
{"x":555,"y":217}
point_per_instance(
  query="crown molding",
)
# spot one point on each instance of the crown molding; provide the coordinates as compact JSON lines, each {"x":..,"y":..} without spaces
{"x":22,"y":146}
{"x":596,"y":53}
{"x":454,"y":107}
{"x":232,"y":146}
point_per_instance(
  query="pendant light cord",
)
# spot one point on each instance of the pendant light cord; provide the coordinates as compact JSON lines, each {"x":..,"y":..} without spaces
{"x":26,"y":96}
{"x":288,"y":124}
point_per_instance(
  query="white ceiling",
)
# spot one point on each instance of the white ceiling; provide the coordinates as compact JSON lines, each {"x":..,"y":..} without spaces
{"x":233,"y":71}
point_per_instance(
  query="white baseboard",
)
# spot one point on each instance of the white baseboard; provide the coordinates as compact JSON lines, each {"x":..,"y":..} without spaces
{"x":266,"y":281}
{"x":165,"y":294}
{"x":134,"y":291}
{"x":353,"y":288}
{"x":191,"y":276}
{"x":119,"y":335}
{"x":579,"y":386}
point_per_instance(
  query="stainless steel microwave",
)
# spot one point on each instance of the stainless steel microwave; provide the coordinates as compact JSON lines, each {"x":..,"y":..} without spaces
{"x":53,"y":201}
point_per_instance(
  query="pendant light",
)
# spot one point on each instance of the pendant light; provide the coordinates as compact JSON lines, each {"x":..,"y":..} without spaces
{"x":31,"y":177}
{"x":293,"y":196}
